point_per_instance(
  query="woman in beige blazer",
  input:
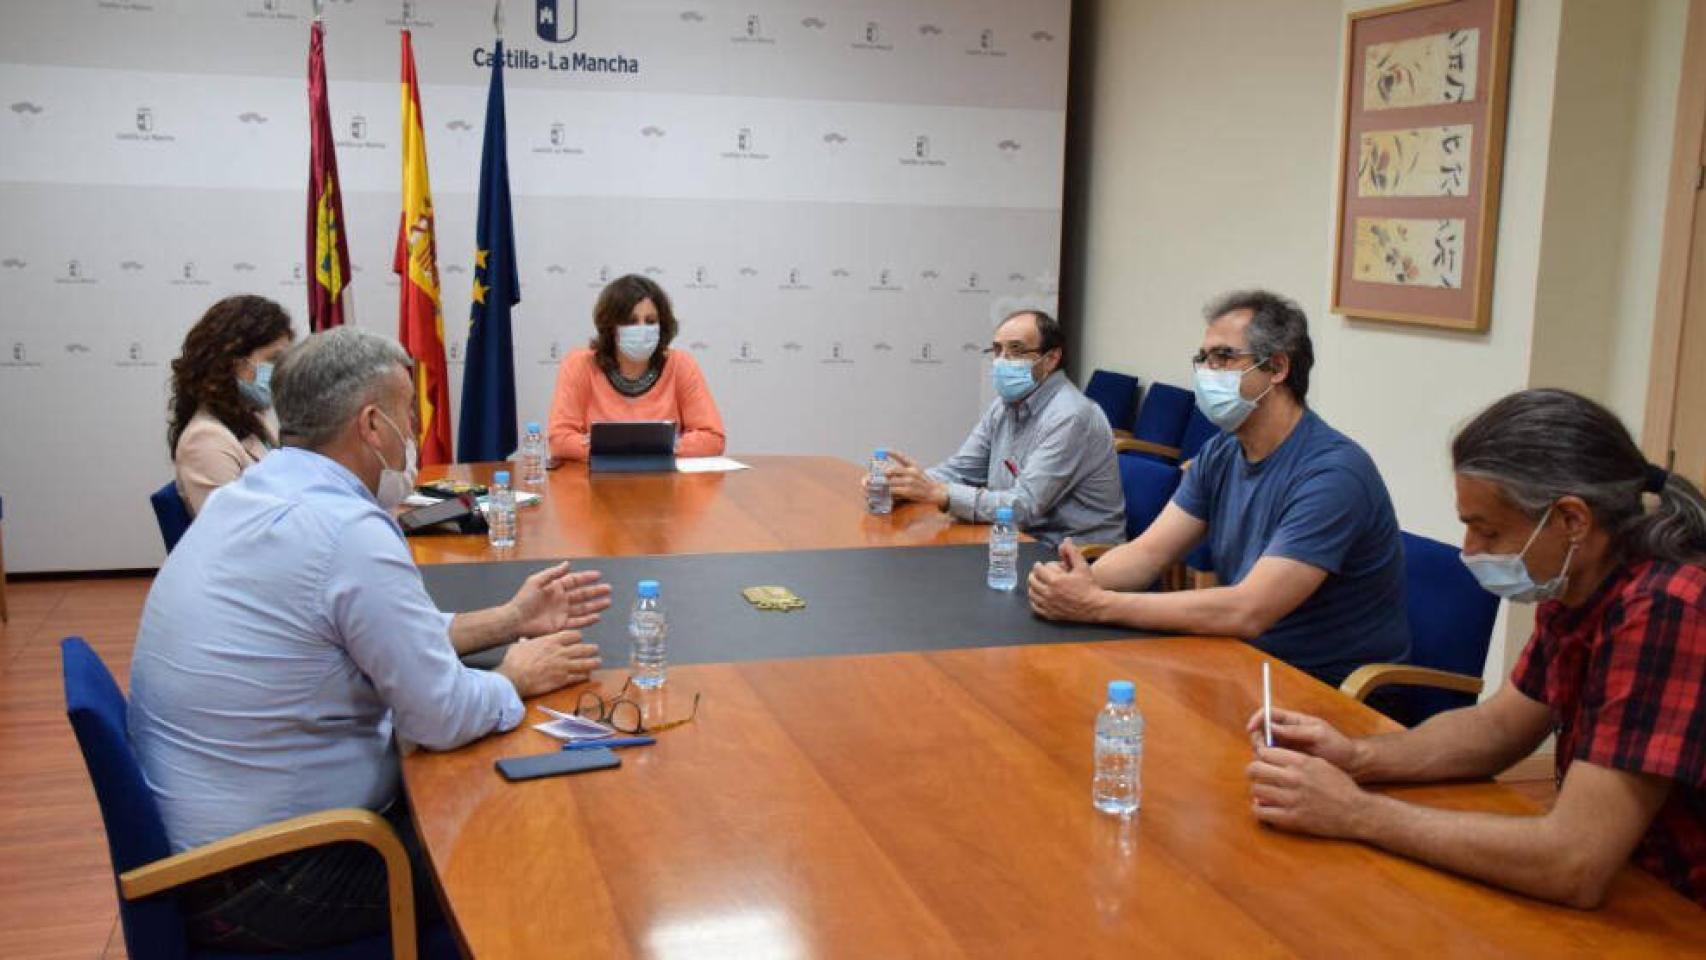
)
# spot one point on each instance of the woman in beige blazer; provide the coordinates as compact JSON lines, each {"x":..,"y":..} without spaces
{"x":221,"y":409}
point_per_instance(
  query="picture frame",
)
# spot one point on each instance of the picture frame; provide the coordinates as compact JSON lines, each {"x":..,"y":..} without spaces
{"x":1421,"y":151}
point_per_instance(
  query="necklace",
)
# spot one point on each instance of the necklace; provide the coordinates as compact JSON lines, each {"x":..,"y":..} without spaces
{"x":636,"y":387}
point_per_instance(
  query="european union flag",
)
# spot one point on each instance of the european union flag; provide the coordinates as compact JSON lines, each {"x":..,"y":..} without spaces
{"x":487,"y":429}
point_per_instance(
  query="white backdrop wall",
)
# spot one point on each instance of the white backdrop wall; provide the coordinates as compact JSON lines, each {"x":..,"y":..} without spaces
{"x":837,"y":195}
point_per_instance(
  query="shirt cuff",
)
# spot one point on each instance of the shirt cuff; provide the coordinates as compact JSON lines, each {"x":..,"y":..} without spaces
{"x":510,"y":708}
{"x":962,"y":501}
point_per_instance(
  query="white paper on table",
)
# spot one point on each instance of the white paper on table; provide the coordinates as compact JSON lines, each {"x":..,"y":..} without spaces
{"x":523,"y":498}
{"x":571,"y":728}
{"x":708,"y":465}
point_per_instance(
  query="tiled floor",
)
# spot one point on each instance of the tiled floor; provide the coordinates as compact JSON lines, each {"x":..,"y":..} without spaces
{"x":56,"y":888}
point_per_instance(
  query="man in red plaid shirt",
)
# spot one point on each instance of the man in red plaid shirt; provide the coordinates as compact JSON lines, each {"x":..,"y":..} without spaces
{"x":1561,"y":508}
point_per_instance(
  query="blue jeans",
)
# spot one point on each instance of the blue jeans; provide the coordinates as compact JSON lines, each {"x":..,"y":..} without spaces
{"x":308,"y":899}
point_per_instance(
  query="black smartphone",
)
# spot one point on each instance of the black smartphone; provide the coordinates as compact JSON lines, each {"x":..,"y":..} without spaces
{"x":554,"y":764}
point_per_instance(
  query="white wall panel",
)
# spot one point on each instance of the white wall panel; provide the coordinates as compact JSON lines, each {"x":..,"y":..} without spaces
{"x":837,"y":199}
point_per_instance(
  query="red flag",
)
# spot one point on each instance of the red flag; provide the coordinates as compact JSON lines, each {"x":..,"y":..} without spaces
{"x":328,"y":249}
{"x":420,"y":324}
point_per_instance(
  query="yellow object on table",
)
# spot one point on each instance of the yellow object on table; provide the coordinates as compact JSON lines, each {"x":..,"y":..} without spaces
{"x":773,"y":598}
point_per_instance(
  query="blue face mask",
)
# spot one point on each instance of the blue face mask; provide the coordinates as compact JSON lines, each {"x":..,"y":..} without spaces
{"x":638,"y":341}
{"x":1220,"y":397}
{"x":257,"y":393}
{"x":1012,"y":379}
{"x":1506,"y":575}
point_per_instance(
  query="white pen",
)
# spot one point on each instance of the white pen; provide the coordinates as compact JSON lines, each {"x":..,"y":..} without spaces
{"x":1267,"y":707}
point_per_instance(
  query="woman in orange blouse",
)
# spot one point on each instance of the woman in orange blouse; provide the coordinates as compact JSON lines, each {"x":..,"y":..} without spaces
{"x":628,"y":372}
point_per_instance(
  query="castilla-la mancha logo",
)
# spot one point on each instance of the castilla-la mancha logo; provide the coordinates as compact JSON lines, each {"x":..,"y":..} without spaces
{"x":145,"y":127}
{"x":558,"y":142}
{"x":358,"y":136}
{"x":871,"y":38}
{"x":837,"y":354}
{"x":557,"y":21}
{"x":746,"y":146}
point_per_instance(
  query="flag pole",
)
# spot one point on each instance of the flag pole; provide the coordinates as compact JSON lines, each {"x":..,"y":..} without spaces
{"x":320,"y":11}
{"x":497,"y":17}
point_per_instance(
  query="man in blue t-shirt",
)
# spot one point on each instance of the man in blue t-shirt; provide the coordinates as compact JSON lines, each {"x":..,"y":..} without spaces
{"x":1296,"y":516}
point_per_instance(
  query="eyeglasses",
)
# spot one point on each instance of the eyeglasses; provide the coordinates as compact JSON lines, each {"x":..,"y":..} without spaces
{"x":624,"y":714}
{"x":1012,"y":352}
{"x":1220,"y":358}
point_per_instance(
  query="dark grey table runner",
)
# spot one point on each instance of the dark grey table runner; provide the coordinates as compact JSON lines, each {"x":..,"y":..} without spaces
{"x":876,"y":600}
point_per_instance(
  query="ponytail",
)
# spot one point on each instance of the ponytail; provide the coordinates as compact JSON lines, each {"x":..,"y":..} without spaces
{"x":1674,"y":530}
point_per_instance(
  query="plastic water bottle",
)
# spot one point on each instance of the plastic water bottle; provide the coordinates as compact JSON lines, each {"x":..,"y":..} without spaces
{"x":1003,"y":551}
{"x":1117,"y":787}
{"x":648,"y":630}
{"x":500,"y":511}
{"x":878,"y":499}
{"x":533,"y":458}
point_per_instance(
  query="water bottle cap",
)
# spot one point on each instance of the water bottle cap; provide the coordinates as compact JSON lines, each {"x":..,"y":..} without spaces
{"x":1003,"y":514}
{"x":532,"y":426}
{"x":501,"y":477}
{"x":880,"y":454}
{"x":648,"y":589}
{"x":1121,"y":691}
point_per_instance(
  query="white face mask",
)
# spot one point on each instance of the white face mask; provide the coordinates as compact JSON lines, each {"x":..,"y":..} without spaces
{"x":396,"y":485}
{"x":1506,"y":574}
{"x":1220,"y":397}
{"x":638,"y":341}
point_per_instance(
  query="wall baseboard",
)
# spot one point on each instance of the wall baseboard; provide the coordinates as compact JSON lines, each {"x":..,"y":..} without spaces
{"x":39,"y":576}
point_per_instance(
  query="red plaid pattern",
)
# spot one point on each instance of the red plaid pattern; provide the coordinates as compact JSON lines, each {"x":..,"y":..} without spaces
{"x":1625,"y":676}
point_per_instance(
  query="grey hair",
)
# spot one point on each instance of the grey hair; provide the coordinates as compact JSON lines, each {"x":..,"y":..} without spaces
{"x":324,"y":381}
{"x":1538,"y":446}
{"x":1277,"y":325}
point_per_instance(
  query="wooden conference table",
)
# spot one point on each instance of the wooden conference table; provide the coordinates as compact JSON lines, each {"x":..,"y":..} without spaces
{"x":782,"y":503}
{"x":933,"y":803}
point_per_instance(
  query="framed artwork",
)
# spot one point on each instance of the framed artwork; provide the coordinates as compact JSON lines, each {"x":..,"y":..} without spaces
{"x":1421,"y":151}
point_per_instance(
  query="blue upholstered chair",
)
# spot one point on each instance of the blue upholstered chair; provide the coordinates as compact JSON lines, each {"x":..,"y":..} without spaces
{"x":1161,"y":421}
{"x":1147,"y":485}
{"x":1198,"y":430}
{"x":1116,"y":394}
{"x":147,"y":873}
{"x":1451,"y":625}
{"x":1199,"y":568}
{"x":172,"y":512}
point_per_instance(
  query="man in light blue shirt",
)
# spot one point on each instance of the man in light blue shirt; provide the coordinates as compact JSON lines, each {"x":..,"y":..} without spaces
{"x":1041,"y":448}
{"x":288,"y":640}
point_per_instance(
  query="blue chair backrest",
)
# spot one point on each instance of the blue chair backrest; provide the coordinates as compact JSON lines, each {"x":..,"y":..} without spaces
{"x":1451,"y":623}
{"x":153,"y":928}
{"x":1116,"y":394}
{"x":1198,"y":430}
{"x":1148,"y":485}
{"x":172,"y":512}
{"x":1165,"y":412}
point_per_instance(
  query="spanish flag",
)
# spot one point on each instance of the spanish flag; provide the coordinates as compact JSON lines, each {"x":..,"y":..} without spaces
{"x":420,"y":324}
{"x":328,"y":249}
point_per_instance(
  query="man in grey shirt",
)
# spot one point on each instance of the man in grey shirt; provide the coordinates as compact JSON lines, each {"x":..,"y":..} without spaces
{"x":1041,"y":448}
